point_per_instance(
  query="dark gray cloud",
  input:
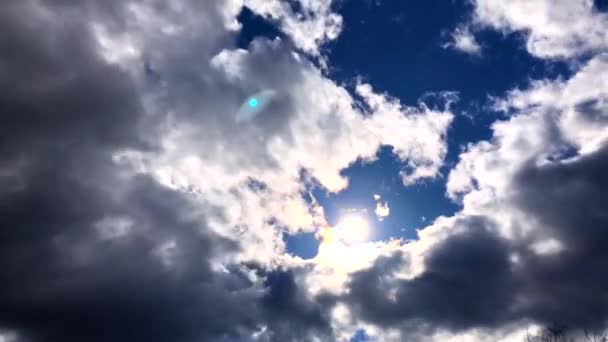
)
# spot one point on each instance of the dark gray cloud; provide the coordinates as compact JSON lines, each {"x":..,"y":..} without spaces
{"x":57,"y":92}
{"x":466,"y":284}
{"x":569,"y":199}
{"x":294,"y":316}
{"x":62,"y":281}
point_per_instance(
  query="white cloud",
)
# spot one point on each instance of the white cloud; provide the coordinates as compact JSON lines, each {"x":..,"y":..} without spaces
{"x":554,"y":28}
{"x":402,"y":128}
{"x":580,"y":103}
{"x":382,"y":210}
{"x":312,"y":125}
{"x":312,"y":26}
{"x":464,"y":40}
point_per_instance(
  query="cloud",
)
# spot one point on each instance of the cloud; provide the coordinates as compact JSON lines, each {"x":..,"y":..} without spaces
{"x":80,"y":235}
{"x":313,"y":126}
{"x":554,"y":29}
{"x":382,"y":210}
{"x":463,"y":285}
{"x":130,"y":193}
{"x":310,"y":24}
{"x":296,"y":317}
{"x":530,"y":229}
{"x":424,"y":154}
{"x":474,"y":278}
{"x":462,"y":39}
{"x":88,"y":244}
{"x":133,"y":195}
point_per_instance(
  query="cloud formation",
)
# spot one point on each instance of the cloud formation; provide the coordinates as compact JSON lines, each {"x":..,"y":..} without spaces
{"x":553,"y":29}
{"x":134,"y":206}
{"x":531,"y":221}
{"x":528,"y":238}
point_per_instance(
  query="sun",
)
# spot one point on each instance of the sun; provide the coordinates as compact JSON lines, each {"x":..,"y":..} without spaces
{"x":352,"y":229}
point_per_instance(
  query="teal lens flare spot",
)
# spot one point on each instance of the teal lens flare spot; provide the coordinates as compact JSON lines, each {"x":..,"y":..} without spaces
{"x":253,"y":105}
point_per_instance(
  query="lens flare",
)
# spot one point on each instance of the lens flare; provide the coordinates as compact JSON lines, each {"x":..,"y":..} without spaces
{"x":255,"y":105}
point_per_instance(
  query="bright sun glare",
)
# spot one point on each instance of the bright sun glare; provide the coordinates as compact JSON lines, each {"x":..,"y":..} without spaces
{"x":352,"y":229}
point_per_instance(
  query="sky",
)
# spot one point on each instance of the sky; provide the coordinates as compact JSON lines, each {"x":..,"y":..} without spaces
{"x":303,"y":170}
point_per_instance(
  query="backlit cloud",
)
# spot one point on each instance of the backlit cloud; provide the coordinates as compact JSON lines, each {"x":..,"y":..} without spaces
{"x":382,"y":210}
{"x":134,"y":194}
